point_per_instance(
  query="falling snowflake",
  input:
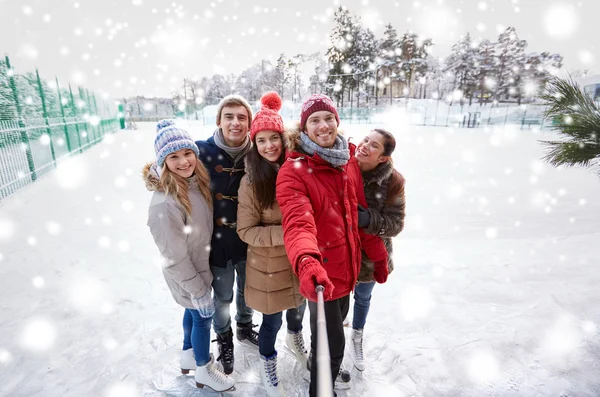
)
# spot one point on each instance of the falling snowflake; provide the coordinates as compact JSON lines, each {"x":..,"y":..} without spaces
{"x":38,"y":281}
{"x":5,"y":356}
{"x":123,"y":245}
{"x":53,"y":228}
{"x":7,"y":229}
{"x":122,"y":389}
{"x":120,"y":181}
{"x":416,"y":303}
{"x":104,"y":242}
{"x":127,"y":205}
{"x":483,"y":367}
{"x":110,"y":344}
{"x":560,"y":21}
{"x":71,"y":173}
{"x":39,"y":335}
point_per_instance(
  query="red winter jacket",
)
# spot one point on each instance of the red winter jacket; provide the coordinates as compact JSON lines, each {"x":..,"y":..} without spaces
{"x":320,"y":215}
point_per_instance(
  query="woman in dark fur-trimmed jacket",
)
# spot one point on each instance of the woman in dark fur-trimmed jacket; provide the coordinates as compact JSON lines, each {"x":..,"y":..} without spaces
{"x":384,"y":190}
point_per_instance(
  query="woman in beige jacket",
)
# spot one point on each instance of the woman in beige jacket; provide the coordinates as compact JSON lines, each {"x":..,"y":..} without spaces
{"x":271,"y":285}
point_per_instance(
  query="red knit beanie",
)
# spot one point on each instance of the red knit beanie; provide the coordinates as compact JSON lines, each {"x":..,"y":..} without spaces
{"x":315,"y":103}
{"x":267,"y":118}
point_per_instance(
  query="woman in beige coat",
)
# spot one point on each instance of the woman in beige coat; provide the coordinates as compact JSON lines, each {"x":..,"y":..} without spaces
{"x":271,"y":285}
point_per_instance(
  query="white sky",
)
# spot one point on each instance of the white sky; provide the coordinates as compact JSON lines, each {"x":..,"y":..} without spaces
{"x":130,"y":47}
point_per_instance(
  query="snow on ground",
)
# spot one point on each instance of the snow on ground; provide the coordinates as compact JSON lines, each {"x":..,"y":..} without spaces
{"x":495,"y":291}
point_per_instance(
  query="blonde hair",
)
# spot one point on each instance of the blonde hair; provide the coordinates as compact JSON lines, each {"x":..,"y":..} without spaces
{"x":176,"y":185}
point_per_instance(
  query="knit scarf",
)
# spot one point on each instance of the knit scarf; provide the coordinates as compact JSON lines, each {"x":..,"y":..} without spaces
{"x":337,"y":156}
{"x":235,"y":153}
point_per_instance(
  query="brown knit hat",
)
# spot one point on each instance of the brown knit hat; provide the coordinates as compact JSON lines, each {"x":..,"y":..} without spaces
{"x":234,"y":100}
{"x":315,"y":103}
{"x":267,"y":118}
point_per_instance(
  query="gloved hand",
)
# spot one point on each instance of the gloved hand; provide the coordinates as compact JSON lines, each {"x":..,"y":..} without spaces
{"x":364,"y":217}
{"x":204,"y":305}
{"x":381,"y":271}
{"x":312,"y":273}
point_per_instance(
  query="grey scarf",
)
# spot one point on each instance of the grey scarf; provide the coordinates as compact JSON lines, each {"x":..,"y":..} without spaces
{"x":337,"y":156}
{"x":235,"y":153}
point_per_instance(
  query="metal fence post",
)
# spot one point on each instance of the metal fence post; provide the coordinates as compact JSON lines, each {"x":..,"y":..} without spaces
{"x":62,"y":112}
{"x":22,"y":129}
{"x":74,"y":108}
{"x":45,"y":114}
{"x":101,"y":123}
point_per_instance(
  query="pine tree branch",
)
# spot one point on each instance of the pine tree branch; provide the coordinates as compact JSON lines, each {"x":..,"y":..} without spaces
{"x":577,"y":118}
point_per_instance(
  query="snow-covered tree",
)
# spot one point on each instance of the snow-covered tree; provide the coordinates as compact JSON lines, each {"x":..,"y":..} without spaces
{"x":219,"y":87}
{"x":342,"y":39}
{"x":538,"y":70}
{"x":463,"y":63}
{"x":7,"y":104}
{"x":510,"y":61}
{"x":318,"y":81}
{"x":486,"y":69}
{"x":414,"y":53}
{"x":363,"y":63}
{"x":281,"y":76}
{"x":390,"y":53}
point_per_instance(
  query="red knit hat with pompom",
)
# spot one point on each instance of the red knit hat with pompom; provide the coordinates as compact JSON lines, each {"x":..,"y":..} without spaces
{"x":267,"y":118}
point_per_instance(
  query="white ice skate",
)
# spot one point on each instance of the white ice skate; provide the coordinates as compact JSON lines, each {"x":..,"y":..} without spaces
{"x":270,"y":379}
{"x":295,"y":342}
{"x":356,"y":346}
{"x":188,"y":361}
{"x":211,"y":376}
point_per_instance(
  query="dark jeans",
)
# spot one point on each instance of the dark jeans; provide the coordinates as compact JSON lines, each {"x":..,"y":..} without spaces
{"x":222,"y":284}
{"x":335,"y":335}
{"x":362,"y":302}
{"x":271,"y":323}
{"x":196,"y":335}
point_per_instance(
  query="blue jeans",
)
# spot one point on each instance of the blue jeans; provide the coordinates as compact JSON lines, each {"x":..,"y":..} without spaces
{"x":362,"y":302}
{"x":222,"y":284}
{"x":196,"y":335}
{"x":271,"y":324}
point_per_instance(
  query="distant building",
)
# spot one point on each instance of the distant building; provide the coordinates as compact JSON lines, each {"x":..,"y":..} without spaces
{"x":591,"y":86}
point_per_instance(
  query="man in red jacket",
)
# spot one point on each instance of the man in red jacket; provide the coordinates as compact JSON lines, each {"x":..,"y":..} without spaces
{"x":319,"y":188}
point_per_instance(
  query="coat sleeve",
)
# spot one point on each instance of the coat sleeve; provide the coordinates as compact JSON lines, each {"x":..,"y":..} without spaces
{"x":388,"y":222}
{"x":372,"y":245}
{"x":249,"y":226}
{"x":167,"y":227}
{"x":299,"y":227}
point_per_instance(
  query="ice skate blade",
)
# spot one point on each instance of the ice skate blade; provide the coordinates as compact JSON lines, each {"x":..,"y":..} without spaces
{"x":201,"y":386}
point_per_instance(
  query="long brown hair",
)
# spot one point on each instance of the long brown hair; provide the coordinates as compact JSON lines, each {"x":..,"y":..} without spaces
{"x":263,"y":174}
{"x":396,"y":186}
{"x":176,"y":185}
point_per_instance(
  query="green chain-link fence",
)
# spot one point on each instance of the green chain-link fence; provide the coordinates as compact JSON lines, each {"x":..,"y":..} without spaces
{"x":42,"y":122}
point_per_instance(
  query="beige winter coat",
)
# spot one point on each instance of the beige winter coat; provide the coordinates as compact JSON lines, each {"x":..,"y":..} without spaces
{"x":271,"y":285}
{"x":182,"y":240}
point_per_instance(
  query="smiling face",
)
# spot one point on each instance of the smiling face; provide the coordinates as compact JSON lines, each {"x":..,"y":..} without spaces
{"x":234,"y":123}
{"x":182,"y":162}
{"x":369,"y":152}
{"x":321,"y":128}
{"x":269,"y":145}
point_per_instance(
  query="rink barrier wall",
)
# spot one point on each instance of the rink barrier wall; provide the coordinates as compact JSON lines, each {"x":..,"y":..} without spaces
{"x":417,"y":112}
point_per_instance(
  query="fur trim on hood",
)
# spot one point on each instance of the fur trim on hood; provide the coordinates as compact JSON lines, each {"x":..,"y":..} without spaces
{"x":151,"y":177}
